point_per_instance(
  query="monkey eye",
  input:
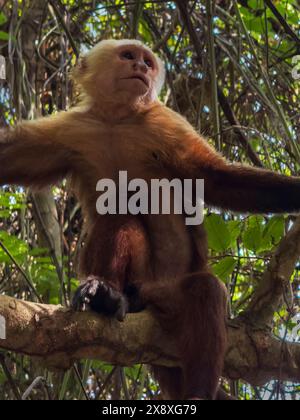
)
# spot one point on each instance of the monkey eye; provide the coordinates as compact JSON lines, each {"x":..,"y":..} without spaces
{"x":128,"y":55}
{"x":149,"y":63}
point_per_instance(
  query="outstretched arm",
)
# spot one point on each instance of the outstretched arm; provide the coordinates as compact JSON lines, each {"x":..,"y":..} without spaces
{"x":246,"y":189}
{"x":32,"y":155}
{"x":230,"y":186}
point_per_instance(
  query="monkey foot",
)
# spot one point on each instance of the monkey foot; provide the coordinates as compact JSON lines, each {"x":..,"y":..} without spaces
{"x":96,"y":294}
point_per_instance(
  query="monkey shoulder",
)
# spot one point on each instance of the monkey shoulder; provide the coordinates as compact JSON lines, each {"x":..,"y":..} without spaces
{"x":174,"y":136}
{"x":173,"y":127}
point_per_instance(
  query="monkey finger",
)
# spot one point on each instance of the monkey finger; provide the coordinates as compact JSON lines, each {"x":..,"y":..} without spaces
{"x":122,"y":310}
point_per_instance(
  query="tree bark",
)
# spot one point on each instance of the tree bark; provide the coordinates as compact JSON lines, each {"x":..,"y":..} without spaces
{"x":59,"y":336}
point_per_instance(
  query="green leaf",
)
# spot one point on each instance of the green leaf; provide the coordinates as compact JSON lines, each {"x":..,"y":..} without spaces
{"x":12,"y":201}
{"x":219,"y":237}
{"x":17,"y":247}
{"x":234,"y":227}
{"x":274,"y":229}
{"x":256,"y":4}
{"x":253,"y":235}
{"x":257,"y":25}
{"x":4,"y":36}
{"x":36,"y":252}
{"x":245,"y":12}
{"x":4,"y":214}
{"x":74,"y":284}
{"x":3,"y":18}
{"x":224,"y":269}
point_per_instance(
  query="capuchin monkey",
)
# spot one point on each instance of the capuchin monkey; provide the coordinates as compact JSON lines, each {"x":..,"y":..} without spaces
{"x":146,"y":260}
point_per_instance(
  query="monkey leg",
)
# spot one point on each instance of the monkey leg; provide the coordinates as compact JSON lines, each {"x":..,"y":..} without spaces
{"x":170,"y":381}
{"x":114,"y":254}
{"x":193,"y":312}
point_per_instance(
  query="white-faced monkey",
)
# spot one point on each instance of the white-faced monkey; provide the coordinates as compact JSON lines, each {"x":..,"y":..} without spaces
{"x":152,"y":260}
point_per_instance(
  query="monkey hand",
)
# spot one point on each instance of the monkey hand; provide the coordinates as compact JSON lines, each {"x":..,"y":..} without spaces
{"x":100,"y":297}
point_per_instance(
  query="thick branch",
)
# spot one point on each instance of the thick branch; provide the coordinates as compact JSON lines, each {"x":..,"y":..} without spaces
{"x":269,"y":294}
{"x":59,"y":337}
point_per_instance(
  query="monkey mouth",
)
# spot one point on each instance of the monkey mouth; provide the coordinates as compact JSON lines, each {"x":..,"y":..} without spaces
{"x":140,"y":77}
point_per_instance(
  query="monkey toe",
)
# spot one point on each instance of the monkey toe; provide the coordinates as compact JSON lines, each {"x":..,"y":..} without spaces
{"x":96,"y":294}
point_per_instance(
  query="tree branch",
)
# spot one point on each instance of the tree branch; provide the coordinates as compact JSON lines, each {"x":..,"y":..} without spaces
{"x":232,"y":119}
{"x":288,"y":30}
{"x":60,"y":336}
{"x":268,"y":296}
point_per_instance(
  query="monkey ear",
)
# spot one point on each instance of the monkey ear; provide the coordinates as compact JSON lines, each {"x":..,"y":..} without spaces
{"x":82,"y":65}
{"x":80,"y":69}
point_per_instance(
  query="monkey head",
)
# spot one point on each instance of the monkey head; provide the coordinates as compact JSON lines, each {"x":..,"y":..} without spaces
{"x":123,"y":71}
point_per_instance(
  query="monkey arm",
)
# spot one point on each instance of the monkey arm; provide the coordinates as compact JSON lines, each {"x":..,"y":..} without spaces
{"x":246,"y":189}
{"x":237,"y":187}
{"x":31,"y":155}
{"x":227,"y":185}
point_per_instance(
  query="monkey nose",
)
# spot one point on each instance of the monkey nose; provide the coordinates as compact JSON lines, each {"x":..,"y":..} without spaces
{"x":140,"y":65}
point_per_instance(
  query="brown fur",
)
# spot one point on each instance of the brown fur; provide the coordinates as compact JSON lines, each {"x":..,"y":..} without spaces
{"x":160,"y":256}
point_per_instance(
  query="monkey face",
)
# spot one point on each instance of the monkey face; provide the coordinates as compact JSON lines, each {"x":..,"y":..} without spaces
{"x":125,"y":72}
{"x":136,"y":70}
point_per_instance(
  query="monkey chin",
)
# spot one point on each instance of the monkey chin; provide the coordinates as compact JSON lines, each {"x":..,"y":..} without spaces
{"x":136,"y":86}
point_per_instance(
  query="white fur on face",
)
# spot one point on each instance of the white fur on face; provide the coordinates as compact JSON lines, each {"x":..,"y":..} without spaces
{"x":105,"y":47}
